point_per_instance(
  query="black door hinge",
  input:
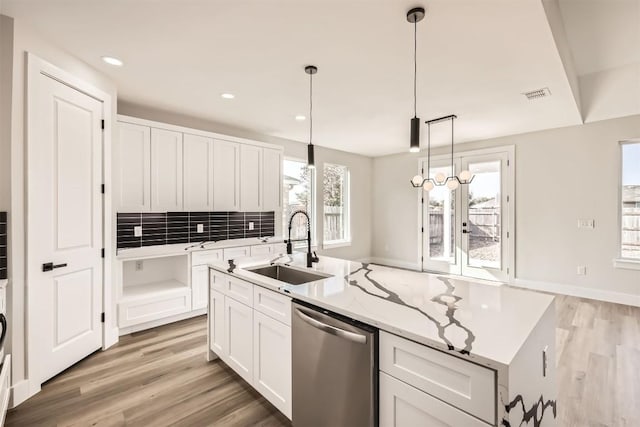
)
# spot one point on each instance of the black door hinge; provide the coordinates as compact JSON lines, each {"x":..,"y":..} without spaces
{"x":102,"y":124}
{"x":102,"y":252}
{"x":422,"y":229}
{"x":102,"y":317}
{"x":102,"y":188}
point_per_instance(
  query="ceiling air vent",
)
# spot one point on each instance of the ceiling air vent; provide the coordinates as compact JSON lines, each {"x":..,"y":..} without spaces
{"x":537,"y":94}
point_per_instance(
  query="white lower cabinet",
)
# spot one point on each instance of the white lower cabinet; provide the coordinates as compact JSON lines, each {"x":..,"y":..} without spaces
{"x":216,"y":324}
{"x":272,"y":361}
{"x":402,"y":405}
{"x":254,"y":344}
{"x":238,"y":319}
{"x":199,"y":284}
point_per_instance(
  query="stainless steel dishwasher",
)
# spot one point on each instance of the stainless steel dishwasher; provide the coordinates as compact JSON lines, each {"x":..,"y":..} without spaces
{"x":335,"y":370}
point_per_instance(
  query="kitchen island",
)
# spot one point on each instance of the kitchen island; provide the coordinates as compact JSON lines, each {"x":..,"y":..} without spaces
{"x":457,"y":351}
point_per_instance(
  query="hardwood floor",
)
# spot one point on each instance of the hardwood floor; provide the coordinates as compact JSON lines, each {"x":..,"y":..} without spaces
{"x":153,"y":378}
{"x":160,"y":378}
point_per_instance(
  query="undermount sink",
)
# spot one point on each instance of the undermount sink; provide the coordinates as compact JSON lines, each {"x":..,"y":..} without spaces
{"x":289,"y":275}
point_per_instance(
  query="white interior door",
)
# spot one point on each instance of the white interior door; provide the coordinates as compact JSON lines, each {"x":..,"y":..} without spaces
{"x":65,"y":271}
{"x":466,"y":231}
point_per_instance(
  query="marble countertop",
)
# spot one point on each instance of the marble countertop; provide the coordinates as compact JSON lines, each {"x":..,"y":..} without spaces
{"x":184,"y":248}
{"x":481,"y":321}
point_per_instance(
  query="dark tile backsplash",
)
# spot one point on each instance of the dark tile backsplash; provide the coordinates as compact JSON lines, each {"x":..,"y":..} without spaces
{"x":3,"y":245}
{"x":167,"y":228}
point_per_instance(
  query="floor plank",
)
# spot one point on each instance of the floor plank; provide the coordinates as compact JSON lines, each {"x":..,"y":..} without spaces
{"x":160,"y":378}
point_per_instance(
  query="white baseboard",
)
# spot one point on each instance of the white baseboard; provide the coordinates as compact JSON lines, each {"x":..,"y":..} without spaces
{"x":392,"y":262}
{"x":160,"y":322}
{"x":20,"y":392}
{"x":578,"y":291}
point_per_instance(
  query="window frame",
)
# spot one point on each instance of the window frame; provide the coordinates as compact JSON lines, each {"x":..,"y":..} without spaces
{"x":620,"y":261}
{"x":346,"y":221}
{"x":312,"y":198}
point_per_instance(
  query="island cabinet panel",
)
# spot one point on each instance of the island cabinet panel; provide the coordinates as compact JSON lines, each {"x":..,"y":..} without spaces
{"x":226,"y":176}
{"x":199,"y":285}
{"x":166,"y":170}
{"x":402,"y":405}
{"x":272,"y":361}
{"x":216,"y":324}
{"x":198,"y":173}
{"x":463,"y":384}
{"x":239,"y":338}
{"x":250,"y":178}
{"x":132,"y":162}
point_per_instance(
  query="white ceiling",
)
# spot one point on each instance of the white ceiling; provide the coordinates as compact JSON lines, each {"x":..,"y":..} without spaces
{"x":476,"y":57}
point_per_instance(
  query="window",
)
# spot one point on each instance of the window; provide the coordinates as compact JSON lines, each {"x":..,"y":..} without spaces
{"x":298,"y":191}
{"x":630,"y":198}
{"x":335,"y":185}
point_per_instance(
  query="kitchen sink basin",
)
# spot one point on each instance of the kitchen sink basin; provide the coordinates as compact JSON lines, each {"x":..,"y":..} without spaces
{"x":289,"y":275}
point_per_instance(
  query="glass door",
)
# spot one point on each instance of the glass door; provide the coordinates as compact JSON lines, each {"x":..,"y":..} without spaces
{"x":465,"y":231}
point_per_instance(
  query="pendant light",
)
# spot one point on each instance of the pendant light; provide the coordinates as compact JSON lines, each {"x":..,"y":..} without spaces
{"x":311,"y":70}
{"x":453,"y":181}
{"x":414,"y":16}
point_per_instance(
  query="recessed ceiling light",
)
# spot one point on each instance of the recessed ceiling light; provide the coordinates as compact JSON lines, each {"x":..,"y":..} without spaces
{"x":228,"y":95}
{"x":300,"y":117}
{"x":112,"y":61}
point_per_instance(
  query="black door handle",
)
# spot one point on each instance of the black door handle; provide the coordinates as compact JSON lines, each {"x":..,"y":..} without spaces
{"x":48,"y":266}
{"x":466,"y":232}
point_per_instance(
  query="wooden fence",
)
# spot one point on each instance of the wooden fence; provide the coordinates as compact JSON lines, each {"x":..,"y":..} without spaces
{"x":484,"y":224}
{"x":631,"y":232}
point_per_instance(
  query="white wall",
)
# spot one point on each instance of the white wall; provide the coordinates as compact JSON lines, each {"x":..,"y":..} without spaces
{"x":26,"y":40}
{"x":561,"y":175}
{"x":360,"y":168}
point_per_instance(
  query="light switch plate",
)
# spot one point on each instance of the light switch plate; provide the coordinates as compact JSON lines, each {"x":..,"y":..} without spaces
{"x":137,"y":231}
{"x":586,"y":223}
{"x":251,"y":227}
{"x":581,"y":270}
{"x":200,"y":228}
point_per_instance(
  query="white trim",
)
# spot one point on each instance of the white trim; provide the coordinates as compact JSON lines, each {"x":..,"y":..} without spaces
{"x":336,"y":244}
{"x":192,"y":131}
{"x":626,"y":263}
{"x":578,"y":291}
{"x":20,"y":393}
{"x":36,"y":67}
{"x":163,"y":321}
{"x":622,"y":262}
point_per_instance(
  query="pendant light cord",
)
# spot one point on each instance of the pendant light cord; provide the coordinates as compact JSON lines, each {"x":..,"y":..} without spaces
{"x":428,"y":150}
{"x":452,"y":171}
{"x":415,"y":66}
{"x":310,"y":108}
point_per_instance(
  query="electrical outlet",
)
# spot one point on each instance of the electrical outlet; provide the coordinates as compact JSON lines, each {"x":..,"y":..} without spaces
{"x":137,"y":231}
{"x":581,"y":270}
{"x":139,"y":265}
{"x":251,"y":226}
{"x":200,"y":228}
{"x":586,"y":223}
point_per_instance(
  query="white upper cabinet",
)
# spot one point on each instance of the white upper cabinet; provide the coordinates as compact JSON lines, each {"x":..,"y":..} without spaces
{"x":166,"y":170}
{"x":226,"y":176}
{"x":198,"y":173}
{"x":271,"y":180}
{"x":250,"y":178}
{"x":132,"y":161}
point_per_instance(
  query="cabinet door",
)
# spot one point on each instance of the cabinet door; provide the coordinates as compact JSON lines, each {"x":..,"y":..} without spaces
{"x":216,"y":324}
{"x":272,"y":361}
{"x":166,"y":170}
{"x":402,"y":405}
{"x":250,"y":178}
{"x":132,"y":162}
{"x":198,"y":173}
{"x":271,"y":180}
{"x":199,"y":285}
{"x":226,"y":176}
{"x":238,"y":319}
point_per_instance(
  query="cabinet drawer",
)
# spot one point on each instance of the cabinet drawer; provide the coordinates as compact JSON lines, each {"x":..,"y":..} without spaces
{"x":272,"y":304}
{"x":231,"y":253}
{"x":218,"y":281}
{"x":240,"y":291}
{"x":261,"y":250}
{"x":402,"y":405}
{"x":156,"y":307}
{"x":205,"y":257}
{"x":462,"y":384}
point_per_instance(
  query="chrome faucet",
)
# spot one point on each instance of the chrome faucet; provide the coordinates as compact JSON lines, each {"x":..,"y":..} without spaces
{"x":311,"y":258}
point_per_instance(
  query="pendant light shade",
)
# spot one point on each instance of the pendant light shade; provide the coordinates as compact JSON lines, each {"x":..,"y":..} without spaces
{"x":414,"y":16}
{"x":311,"y":162}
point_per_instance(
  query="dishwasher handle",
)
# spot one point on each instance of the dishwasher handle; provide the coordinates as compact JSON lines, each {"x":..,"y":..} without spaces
{"x":351,"y":336}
